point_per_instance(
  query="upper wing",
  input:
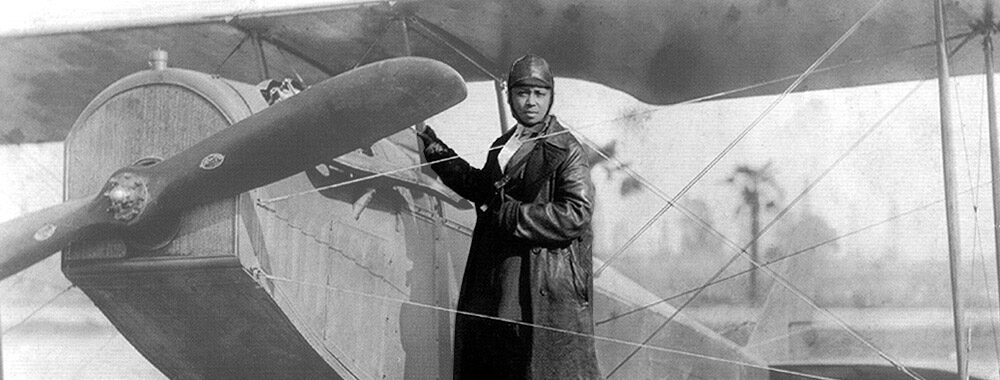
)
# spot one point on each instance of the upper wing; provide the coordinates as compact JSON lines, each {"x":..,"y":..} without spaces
{"x":659,"y":51}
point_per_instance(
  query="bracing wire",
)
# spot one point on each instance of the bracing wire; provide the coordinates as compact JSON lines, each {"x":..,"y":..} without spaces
{"x":588,"y":126}
{"x":781,"y":280}
{"x":782,"y":258}
{"x":994,"y":320}
{"x":218,"y":68}
{"x":732,"y":144}
{"x":362,"y":179}
{"x":804,"y":250}
{"x":978,"y":251}
{"x":43,"y":167}
{"x":290,"y":64}
{"x":409,"y":168}
{"x":788,"y":256}
{"x":829,"y":169}
{"x":977,"y":241}
{"x":843,"y":325}
{"x":966,"y":36}
{"x":33,"y":312}
{"x":673,"y":315}
{"x":976,"y":233}
{"x":309,"y":330}
{"x":986,"y":284}
{"x":318,"y":240}
{"x":261,"y":274}
{"x":385,"y":29}
{"x":774,"y":275}
{"x":992,"y":298}
{"x":987,"y":41}
{"x":741,"y":251}
{"x":262,"y":203}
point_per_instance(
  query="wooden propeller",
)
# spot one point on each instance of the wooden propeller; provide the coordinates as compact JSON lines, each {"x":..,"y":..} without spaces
{"x":339,"y":115}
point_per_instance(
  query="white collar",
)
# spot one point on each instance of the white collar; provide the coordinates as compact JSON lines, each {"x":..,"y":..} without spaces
{"x":522,"y":130}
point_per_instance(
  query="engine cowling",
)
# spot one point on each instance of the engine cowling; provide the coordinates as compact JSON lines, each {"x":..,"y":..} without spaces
{"x":183,"y":300}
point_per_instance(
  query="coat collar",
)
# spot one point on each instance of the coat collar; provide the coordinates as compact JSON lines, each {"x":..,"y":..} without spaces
{"x":555,"y":133}
{"x":515,"y":164}
{"x":535,"y":156}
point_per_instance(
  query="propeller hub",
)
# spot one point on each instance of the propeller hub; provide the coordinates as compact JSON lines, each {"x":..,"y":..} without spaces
{"x":128,"y":194}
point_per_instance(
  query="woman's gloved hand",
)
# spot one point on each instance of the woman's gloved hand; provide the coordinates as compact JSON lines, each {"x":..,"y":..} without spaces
{"x":434,"y":148}
{"x":426,"y":134}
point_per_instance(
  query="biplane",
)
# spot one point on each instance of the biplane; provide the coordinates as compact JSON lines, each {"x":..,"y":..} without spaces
{"x":229,"y":236}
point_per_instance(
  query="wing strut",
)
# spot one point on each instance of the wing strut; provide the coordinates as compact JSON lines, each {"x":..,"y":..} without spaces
{"x":265,"y":71}
{"x":987,"y":26}
{"x":408,"y":50}
{"x":499,"y":86}
{"x":441,"y":37}
{"x":951,"y":202}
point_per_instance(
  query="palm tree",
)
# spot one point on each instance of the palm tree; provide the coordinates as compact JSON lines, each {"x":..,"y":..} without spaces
{"x":754,"y":183}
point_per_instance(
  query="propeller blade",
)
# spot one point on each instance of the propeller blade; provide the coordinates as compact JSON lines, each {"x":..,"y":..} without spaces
{"x":343,"y":113}
{"x":31,"y":238}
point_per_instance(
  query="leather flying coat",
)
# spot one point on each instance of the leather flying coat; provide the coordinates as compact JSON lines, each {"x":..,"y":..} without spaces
{"x":531,"y":246}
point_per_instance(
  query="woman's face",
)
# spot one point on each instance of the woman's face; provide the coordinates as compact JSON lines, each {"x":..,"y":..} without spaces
{"x":530,"y":104}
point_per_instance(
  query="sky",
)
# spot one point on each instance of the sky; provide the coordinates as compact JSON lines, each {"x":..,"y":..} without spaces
{"x":894,"y":169}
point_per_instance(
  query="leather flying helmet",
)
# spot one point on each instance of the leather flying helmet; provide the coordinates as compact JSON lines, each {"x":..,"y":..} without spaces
{"x":530,"y":70}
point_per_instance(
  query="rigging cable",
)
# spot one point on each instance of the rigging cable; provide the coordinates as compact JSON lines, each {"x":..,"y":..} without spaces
{"x":315,"y":336}
{"x":732,"y":144}
{"x":976,"y":201}
{"x":788,"y":256}
{"x":742,"y":251}
{"x":381,"y":35}
{"x":262,"y":202}
{"x":801,"y":195}
{"x":257,"y":271}
{"x":318,"y":240}
{"x":43,"y":167}
{"x":966,"y":36}
{"x":261,"y":274}
{"x":774,"y":275}
{"x":986,"y":283}
{"x":265,"y":70}
{"x":976,"y":232}
{"x":32,"y":314}
{"x":989,"y":52}
{"x":794,"y":85}
{"x":284,"y":57}
{"x":799,"y":252}
{"x":857,"y":143}
{"x":218,"y":69}
{"x":993,"y":317}
{"x":989,"y":93}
